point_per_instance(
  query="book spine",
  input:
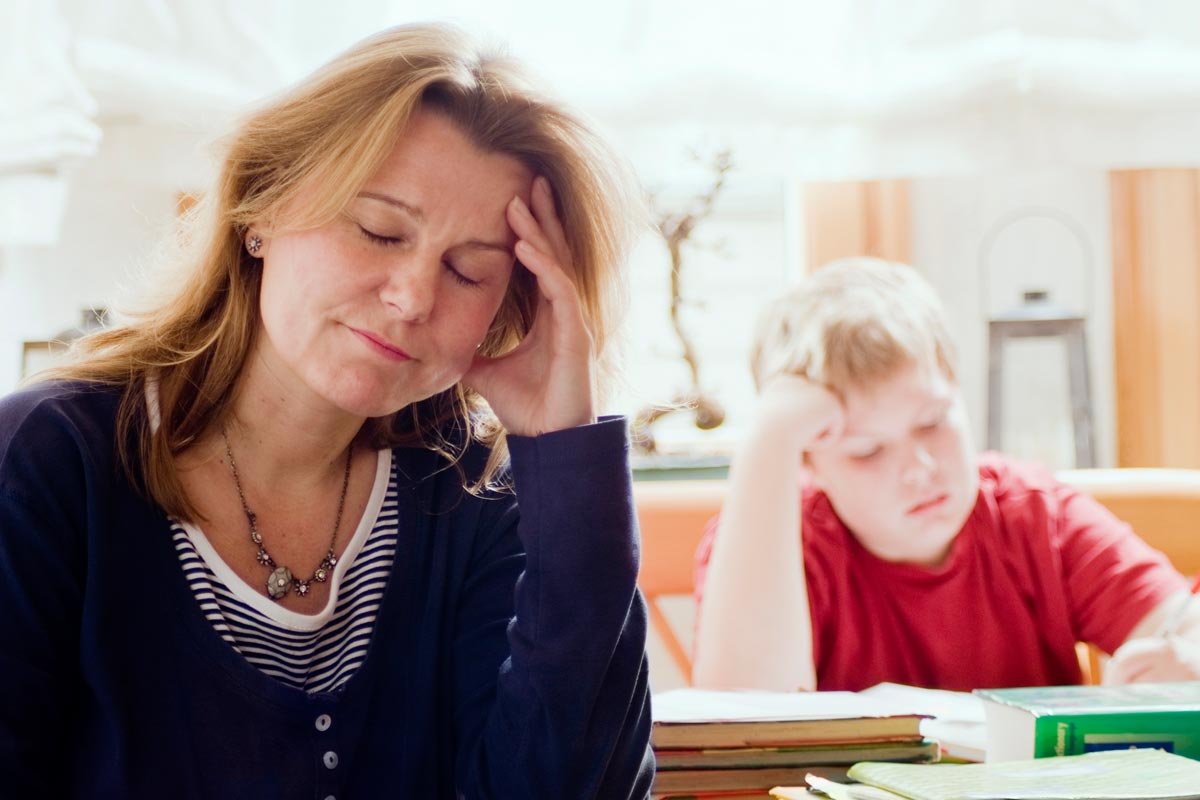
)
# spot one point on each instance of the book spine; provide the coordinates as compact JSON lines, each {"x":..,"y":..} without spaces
{"x":1075,"y":734}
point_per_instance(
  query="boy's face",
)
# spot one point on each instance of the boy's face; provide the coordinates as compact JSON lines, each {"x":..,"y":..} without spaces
{"x":903,"y":476}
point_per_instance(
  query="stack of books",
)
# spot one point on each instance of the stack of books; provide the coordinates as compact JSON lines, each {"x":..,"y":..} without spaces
{"x":730,"y":744}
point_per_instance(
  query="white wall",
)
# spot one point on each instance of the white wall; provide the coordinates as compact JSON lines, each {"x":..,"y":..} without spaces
{"x":951,"y":218}
{"x":119,"y":205}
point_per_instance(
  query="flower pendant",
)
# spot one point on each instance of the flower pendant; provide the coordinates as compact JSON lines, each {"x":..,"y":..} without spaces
{"x":279,"y":582}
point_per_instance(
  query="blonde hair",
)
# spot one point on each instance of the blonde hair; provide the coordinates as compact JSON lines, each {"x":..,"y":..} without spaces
{"x":852,"y":323}
{"x":334,"y":130}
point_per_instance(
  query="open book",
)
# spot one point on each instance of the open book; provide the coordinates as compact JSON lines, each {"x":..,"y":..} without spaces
{"x":1109,"y":775}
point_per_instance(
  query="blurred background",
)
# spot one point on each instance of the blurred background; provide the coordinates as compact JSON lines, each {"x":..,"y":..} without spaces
{"x":1037,"y":160}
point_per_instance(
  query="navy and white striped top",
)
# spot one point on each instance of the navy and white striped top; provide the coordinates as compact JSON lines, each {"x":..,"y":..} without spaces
{"x":314,"y":652}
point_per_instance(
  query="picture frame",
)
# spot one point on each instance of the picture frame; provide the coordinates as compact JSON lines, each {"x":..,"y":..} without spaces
{"x":40,"y":354}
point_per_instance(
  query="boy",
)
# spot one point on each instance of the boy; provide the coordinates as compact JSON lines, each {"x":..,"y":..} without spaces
{"x":917,"y":561}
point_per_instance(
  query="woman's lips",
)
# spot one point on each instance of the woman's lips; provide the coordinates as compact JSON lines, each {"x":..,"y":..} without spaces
{"x":929,"y":505}
{"x":381,"y":347}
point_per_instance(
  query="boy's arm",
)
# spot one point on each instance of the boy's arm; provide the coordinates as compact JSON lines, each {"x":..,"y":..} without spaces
{"x":1150,"y":656}
{"x":754,"y":628}
{"x":1123,"y":592}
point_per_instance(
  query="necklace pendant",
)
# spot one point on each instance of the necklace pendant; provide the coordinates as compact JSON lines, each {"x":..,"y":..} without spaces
{"x":321,"y":575}
{"x":301,"y":588}
{"x":264,"y":558}
{"x":279,"y":582}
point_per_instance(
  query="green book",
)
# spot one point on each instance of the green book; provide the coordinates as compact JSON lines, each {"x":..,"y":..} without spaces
{"x":1072,"y":720}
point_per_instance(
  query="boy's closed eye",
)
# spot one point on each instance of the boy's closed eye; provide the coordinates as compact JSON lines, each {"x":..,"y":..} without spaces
{"x":865,"y":452}
{"x":934,"y":422}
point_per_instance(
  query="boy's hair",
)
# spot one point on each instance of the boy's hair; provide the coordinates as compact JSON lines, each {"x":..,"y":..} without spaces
{"x":852,"y":323}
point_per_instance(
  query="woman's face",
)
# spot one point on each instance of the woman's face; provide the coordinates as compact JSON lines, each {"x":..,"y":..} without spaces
{"x":387,"y":304}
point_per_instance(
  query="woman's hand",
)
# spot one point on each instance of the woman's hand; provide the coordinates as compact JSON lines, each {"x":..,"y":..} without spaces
{"x":545,"y":384}
{"x":1154,"y":659}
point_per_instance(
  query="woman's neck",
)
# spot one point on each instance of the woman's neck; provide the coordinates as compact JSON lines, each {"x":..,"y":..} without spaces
{"x":287,"y":434}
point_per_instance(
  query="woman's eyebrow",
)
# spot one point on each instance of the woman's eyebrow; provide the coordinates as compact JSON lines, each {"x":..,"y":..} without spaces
{"x":477,"y":244}
{"x":417,"y":214}
{"x":413,"y":211}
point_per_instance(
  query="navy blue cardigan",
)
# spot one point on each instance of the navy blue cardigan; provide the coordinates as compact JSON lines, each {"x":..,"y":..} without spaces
{"x":508,"y":657}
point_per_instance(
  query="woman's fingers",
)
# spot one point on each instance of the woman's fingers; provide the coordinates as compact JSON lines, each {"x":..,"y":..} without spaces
{"x":552,"y":280}
{"x":542,"y":248}
{"x":527,"y":228}
{"x":557,"y":291}
{"x":544,"y":211}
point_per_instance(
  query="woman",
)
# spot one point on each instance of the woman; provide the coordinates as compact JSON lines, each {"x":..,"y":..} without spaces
{"x":263,"y":542}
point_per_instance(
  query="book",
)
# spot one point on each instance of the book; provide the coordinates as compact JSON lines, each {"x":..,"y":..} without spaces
{"x":1071,"y":720}
{"x":698,"y":782}
{"x":822,"y":787}
{"x":957,"y":719}
{"x":694,"y":719}
{"x":756,"y":757}
{"x":1138,"y":774}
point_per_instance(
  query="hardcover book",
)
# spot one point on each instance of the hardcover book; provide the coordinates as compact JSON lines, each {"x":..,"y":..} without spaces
{"x":1071,"y":720}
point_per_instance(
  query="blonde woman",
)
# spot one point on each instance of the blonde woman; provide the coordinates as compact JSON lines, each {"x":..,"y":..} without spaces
{"x":270,"y":540}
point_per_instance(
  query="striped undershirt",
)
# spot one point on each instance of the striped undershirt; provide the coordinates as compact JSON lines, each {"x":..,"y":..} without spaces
{"x":313,"y":652}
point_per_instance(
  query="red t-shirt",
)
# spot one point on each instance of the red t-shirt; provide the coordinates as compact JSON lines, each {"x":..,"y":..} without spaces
{"x":1037,"y":567}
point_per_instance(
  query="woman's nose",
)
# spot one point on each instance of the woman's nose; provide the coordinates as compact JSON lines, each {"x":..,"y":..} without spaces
{"x":411,"y":289}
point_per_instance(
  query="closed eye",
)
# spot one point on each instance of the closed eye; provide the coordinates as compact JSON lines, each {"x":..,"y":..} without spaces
{"x":867,"y":455}
{"x":386,"y":241}
{"x":459,"y":278}
{"x":933,"y":424}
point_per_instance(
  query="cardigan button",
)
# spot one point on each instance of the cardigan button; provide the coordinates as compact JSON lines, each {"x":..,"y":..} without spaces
{"x":323,"y":722}
{"x":330,"y":759}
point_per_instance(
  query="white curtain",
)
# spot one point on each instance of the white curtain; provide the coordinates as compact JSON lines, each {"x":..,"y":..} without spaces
{"x":45,"y":120}
{"x":805,"y":88}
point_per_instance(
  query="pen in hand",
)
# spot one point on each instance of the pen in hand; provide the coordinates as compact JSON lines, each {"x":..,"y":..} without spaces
{"x":1171,"y":624}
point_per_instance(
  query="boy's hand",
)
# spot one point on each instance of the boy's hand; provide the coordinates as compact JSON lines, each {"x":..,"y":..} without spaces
{"x":794,"y":408}
{"x":1154,"y":659}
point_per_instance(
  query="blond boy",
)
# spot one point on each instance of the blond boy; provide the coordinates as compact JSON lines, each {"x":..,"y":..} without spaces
{"x":863,"y":540}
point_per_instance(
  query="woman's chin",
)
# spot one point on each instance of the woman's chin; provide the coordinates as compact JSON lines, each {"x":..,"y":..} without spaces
{"x":369,"y":400}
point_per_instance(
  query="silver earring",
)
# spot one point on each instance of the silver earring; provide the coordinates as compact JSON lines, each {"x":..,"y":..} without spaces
{"x":254,"y":244}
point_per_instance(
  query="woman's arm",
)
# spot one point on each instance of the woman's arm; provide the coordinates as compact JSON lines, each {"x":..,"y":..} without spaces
{"x":754,"y":629}
{"x":41,"y":595}
{"x":568,"y":712}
